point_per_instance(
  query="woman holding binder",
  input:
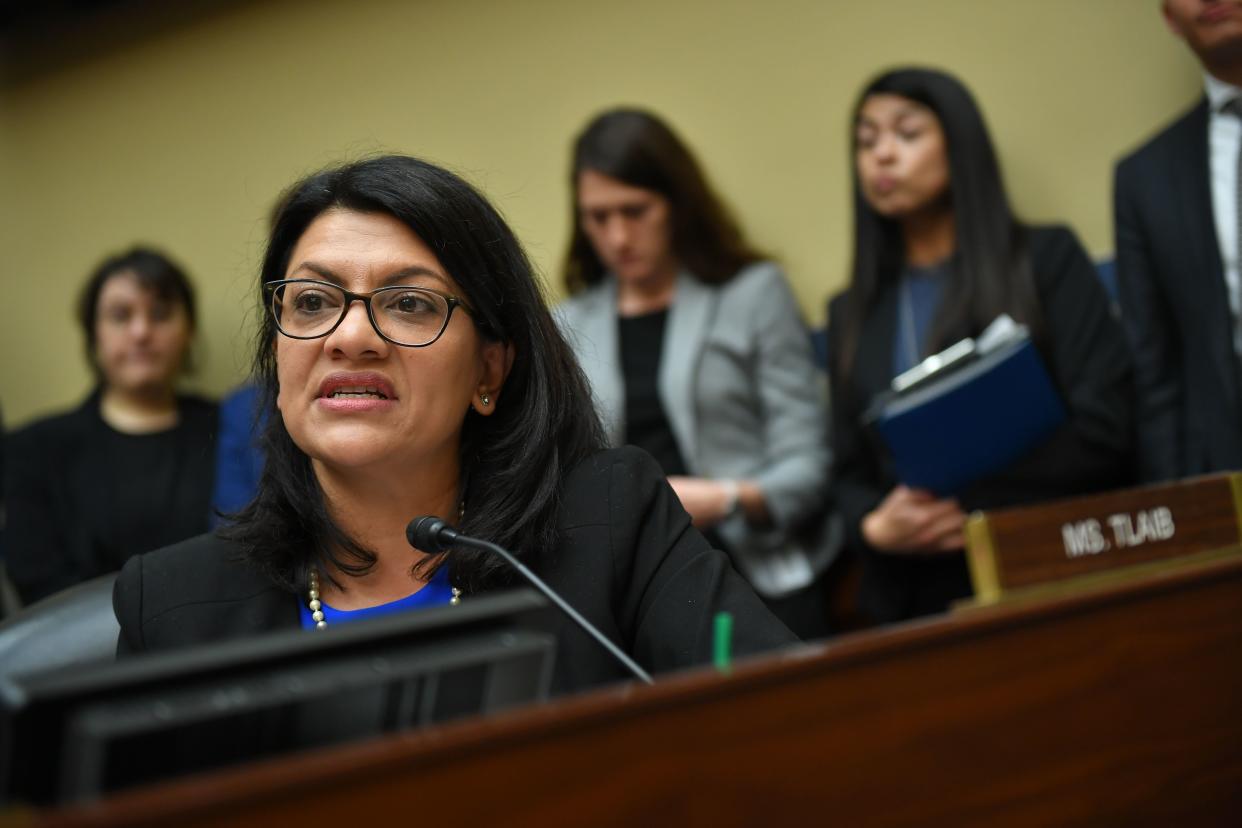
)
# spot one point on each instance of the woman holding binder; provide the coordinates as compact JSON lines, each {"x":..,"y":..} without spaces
{"x":696,"y":352}
{"x":938,"y":255}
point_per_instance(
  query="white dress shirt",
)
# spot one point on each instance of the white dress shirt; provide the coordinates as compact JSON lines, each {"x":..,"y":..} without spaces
{"x":1224,"y":144}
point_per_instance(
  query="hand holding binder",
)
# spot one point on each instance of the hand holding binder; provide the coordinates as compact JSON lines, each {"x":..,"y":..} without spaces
{"x":915,"y":521}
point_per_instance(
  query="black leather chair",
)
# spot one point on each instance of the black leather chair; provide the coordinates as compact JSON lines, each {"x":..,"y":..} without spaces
{"x":74,"y":626}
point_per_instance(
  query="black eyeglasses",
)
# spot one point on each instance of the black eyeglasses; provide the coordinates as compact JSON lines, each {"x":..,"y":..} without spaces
{"x":413,"y":317}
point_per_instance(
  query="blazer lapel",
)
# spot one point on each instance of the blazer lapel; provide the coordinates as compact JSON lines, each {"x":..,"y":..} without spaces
{"x":873,"y":365}
{"x":689,"y":319}
{"x":600,"y":355}
{"x":1205,"y":272}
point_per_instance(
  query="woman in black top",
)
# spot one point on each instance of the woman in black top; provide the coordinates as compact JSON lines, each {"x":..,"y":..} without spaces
{"x":938,"y":255}
{"x":410,"y":367}
{"x":696,"y":351}
{"x":130,"y":469}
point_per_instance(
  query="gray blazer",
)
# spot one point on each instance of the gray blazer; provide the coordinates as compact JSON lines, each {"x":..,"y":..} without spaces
{"x":744,"y":400}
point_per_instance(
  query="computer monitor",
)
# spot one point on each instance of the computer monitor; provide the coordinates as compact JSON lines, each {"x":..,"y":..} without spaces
{"x":76,"y":734}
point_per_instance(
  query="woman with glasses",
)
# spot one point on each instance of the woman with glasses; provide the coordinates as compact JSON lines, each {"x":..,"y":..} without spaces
{"x":938,"y":255}
{"x":696,"y":352}
{"x":410,"y":367}
{"x":130,"y":469}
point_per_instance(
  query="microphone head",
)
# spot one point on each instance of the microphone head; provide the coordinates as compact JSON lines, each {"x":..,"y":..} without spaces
{"x":425,"y":533}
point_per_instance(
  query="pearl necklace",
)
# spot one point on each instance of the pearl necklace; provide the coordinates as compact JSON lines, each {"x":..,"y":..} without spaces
{"x":316,"y":607}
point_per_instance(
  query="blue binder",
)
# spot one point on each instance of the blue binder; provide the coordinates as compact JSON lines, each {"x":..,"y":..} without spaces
{"x":951,"y":430}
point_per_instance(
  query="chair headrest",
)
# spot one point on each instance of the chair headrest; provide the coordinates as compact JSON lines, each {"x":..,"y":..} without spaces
{"x":74,"y":626}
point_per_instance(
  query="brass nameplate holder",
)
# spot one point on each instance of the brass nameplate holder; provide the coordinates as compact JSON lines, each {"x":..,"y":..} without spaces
{"x":1029,"y":549}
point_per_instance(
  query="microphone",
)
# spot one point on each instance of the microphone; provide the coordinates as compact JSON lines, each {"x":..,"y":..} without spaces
{"x":433,"y":535}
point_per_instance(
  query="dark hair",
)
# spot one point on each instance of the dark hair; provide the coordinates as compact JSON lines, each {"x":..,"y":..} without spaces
{"x":153,"y":270}
{"x":990,"y":271}
{"x":640,"y":150}
{"x":512,"y":462}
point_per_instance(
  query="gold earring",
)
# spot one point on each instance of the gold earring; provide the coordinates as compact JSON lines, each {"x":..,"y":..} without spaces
{"x":486,"y":400}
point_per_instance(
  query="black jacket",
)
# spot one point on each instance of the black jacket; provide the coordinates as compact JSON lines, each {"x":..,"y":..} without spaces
{"x":82,"y":497}
{"x":1175,"y":305}
{"x":1086,"y":355}
{"x":628,"y":560}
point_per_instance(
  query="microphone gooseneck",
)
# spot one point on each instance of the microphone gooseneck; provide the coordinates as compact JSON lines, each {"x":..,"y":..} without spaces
{"x":432,"y":535}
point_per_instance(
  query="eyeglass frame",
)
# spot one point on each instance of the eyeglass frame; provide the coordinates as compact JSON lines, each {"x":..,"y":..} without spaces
{"x":454,"y":302}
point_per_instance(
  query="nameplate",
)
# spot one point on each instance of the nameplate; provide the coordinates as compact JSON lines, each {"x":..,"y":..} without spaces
{"x":1016,"y":549}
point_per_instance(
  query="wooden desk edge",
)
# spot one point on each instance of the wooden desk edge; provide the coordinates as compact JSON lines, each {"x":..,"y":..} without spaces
{"x":254,"y":782}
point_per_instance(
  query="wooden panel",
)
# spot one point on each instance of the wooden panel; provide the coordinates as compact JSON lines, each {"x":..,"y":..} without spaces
{"x":1015,"y":548}
{"x":1118,"y":706}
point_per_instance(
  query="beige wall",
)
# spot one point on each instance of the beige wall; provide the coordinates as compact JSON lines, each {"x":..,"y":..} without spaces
{"x":185,"y":139}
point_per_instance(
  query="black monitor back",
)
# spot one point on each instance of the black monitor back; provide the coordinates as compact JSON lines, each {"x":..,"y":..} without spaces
{"x":74,"y":735}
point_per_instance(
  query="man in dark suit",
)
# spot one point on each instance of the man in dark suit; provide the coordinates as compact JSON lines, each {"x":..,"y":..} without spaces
{"x":1176,"y":202}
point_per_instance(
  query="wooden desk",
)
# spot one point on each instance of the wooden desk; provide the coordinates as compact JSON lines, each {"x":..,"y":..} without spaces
{"x":1121,"y":706}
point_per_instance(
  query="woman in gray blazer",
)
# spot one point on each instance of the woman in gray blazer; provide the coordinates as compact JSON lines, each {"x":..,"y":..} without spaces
{"x":696,"y":352}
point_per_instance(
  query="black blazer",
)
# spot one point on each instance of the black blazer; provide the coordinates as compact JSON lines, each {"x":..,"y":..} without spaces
{"x":1086,"y":355}
{"x":628,"y":560}
{"x":1175,"y":305}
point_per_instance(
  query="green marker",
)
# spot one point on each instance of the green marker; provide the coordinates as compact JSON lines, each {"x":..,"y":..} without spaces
{"x":722,"y":649}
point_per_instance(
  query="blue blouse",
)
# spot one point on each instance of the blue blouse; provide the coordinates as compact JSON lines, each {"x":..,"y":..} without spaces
{"x":919,"y":291}
{"x":435,"y":592}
